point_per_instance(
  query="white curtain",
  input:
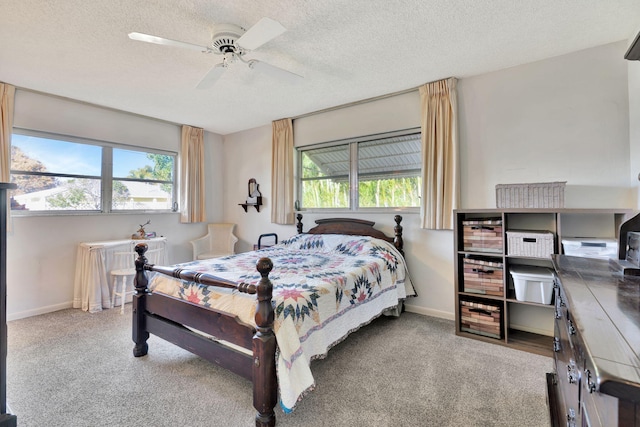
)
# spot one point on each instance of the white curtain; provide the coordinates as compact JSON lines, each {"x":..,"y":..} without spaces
{"x":7,"y":94}
{"x":440,"y":170}
{"x":192,"y":196}
{"x":282,"y":210}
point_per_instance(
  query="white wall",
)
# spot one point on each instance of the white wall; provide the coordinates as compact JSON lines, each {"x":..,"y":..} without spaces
{"x":41,"y":251}
{"x":248,"y":155}
{"x":369,"y":118}
{"x":562,"y":119}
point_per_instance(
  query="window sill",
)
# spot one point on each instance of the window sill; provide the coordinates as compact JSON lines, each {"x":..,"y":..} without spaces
{"x":361,"y":211}
{"x":30,"y":214}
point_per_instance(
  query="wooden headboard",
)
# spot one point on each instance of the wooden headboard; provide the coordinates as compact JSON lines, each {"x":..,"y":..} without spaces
{"x":355,"y":227}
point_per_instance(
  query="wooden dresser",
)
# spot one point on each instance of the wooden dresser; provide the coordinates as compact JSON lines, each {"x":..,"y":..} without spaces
{"x":596,"y":378}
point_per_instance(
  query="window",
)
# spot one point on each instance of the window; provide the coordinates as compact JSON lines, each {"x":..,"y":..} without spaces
{"x":58,"y":174}
{"x":380,"y":171}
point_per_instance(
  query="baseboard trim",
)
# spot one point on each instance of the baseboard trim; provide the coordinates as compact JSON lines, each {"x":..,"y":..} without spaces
{"x":38,"y":311}
{"x":56,"y":307}
{"x":429,"y":312}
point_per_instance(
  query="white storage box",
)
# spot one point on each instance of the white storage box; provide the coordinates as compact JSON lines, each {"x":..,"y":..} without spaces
{"x":533,"y":284}
{"x":536,"y":244}
{"x":590,"y":248}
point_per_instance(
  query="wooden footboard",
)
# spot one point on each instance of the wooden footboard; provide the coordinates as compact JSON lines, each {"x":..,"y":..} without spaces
{"x":183,"y":323}
{"x":173,"y":320}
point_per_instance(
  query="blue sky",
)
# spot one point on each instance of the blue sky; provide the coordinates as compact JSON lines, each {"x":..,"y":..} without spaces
{"x":82,"y":159}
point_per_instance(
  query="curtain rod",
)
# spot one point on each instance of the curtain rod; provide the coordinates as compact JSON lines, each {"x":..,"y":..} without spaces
{"x":351,"y":104}
{"x":364,"y":101}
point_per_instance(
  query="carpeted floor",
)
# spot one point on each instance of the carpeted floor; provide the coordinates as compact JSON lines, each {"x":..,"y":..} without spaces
{"x":71,"y":368}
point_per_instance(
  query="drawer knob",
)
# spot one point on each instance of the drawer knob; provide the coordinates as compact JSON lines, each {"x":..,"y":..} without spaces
{"x":559,"y":305}
{"x":571,"y":372}
{"x":572,"y":329}
{"x":591,"y":385}
{"x":571,"y":418}
{"x":556,"y":344}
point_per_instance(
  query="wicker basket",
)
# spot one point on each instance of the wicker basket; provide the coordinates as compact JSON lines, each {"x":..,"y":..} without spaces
{"x":535,"y":195}
{"x":482,"y":235}
{"x":481,"y":319}
{"x":535,"y":244}
{"x":483,"y":277}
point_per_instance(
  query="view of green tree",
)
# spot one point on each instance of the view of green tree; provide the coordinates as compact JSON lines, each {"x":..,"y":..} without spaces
{"x":162,"y":170}
{"x":320,"y":192}
{"x":325,"y":193}
{"x":145,"y":172}
{"x":163,"y":166}
{"x":388,"y":193}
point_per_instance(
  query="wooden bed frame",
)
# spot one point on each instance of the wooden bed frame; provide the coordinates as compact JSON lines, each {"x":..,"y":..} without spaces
{"x":173,"y":319}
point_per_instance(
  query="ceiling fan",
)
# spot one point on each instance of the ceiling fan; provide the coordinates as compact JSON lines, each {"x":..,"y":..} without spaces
{"x":233,"y":43}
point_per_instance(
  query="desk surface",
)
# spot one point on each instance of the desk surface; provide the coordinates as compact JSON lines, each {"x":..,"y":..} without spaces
{"x":605,"y":306}
{"x":110,"y":243}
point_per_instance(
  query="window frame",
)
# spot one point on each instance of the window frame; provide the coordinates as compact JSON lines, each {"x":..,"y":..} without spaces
{"x":353,"y":178}
{"x":106,"y":176}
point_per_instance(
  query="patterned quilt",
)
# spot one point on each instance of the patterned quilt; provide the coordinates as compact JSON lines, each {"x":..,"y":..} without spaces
{"x":325,"y":287}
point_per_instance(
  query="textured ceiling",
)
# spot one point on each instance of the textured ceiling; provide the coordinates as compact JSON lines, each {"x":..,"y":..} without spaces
{"x":347,"y":50}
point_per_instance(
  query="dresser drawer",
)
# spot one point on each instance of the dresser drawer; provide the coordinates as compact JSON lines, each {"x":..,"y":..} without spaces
{"x":568,"y":371}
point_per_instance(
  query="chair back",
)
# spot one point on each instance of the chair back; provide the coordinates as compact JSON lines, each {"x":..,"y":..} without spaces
{"x":218,"y":242}
{"x":221,"y":237}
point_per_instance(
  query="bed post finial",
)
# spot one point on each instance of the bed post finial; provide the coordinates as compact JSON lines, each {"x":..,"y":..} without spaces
{"x":265,"y":387}
{"x":140,"y":282}
{"x":299,"y":224}
{"x":397,"y":241}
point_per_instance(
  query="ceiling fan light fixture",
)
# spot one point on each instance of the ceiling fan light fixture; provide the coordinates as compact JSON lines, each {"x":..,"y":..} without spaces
{"x":232,"y":42}
{"x":225,"y":38}
{"x":229,"y":58}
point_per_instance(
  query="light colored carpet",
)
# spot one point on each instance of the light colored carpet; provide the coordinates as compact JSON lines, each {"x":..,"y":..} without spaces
{"x":71,"y":368}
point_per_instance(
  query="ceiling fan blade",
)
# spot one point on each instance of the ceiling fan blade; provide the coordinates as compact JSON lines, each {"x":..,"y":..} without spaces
{"x":263,"y":31}
{"x":167,"y":42}
{"x":212,"y":76}
{"x":272,"y":70}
